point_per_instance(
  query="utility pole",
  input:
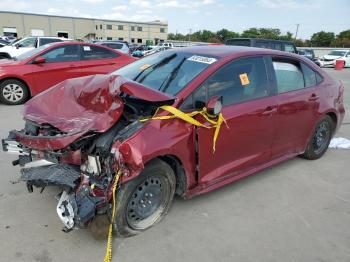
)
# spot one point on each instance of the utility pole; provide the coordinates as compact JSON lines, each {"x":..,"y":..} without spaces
{"x":189,"y":35}
{"x":296,"y":32}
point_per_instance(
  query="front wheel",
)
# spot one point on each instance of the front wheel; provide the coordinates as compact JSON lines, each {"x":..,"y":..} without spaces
{"x":145,"y":200}
{"x":320,"y":139}
{"x":13,"y":92}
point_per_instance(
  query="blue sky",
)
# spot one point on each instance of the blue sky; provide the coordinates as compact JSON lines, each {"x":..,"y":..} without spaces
{"x":182,"y":15}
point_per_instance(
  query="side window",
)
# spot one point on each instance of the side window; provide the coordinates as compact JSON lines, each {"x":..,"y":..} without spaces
{"x":239,"y":81}
{"x":28,"y":42}
{"x":44,"y":41}
{"x":319,"y":78}
{"x":289,"y":48}
{"x":309,"y":75}
{"x":115,"y":46}
{"x":277,"y":46}
{"x":95,"y":53}
{"x":62,"y":54}
{"x":289,"y":76}
{"x":262,"y":44}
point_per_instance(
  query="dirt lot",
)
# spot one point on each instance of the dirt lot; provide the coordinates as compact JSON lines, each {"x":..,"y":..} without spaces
{"x":296,"y":211}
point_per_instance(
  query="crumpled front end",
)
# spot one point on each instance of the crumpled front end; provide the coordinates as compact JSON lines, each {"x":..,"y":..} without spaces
{"x":68,"y":136}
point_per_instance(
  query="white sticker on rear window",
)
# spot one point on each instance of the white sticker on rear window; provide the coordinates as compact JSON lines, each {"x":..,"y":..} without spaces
{"x":87,"y":48}
{"x":202,"y":59}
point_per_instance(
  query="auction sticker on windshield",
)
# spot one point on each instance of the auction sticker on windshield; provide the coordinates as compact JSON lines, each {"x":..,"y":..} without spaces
{"x":202,"y":59}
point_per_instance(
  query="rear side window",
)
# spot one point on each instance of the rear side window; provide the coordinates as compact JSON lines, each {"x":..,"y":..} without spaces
{"x":44,"y":41}
{"x":239,"y":81}
{"x":309,"y":75}
{"x":289,"y":76}
{"x":96,"y":53}
{"x":239,"y":42}
{"x":289,"y":48}
{"x":114,"y":46}
{"x":277,"y":46}
{"x":262,"y":44}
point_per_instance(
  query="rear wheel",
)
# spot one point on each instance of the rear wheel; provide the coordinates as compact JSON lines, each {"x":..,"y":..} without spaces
{"x":145,"y":200}
{"x":13,"y":92}
{"x":320,"y":139}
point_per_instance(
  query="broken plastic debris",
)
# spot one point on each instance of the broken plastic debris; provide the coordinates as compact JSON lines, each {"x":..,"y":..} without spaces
{"x":340,"y":142}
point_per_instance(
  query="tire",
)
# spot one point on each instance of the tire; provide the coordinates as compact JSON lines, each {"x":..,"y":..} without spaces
{"x":144,"y":201}
{"x":320,"y":139}
{"x":13,"y":92}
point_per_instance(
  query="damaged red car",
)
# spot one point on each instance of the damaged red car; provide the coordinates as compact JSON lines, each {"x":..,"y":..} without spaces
{"x":150,"y":122}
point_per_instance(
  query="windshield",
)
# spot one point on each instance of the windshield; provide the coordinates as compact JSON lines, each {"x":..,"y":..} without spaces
{"x":167,"y":71}
{"x":337,"y":53}
{"x":31,"y":52}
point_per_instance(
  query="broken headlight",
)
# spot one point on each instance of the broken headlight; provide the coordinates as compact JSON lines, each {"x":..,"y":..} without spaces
{"x":92,"y":165}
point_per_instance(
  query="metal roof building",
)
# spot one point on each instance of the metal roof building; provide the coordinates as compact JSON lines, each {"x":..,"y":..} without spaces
{"x":27,"y":24}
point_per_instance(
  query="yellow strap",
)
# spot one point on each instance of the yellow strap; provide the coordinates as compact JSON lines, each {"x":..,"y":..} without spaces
{"x":108,"y":256}
{"x":188,"y":117}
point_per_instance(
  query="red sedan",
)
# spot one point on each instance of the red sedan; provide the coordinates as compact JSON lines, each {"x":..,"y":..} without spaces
{"x":41,"y":68}
{"x":158,"y":125}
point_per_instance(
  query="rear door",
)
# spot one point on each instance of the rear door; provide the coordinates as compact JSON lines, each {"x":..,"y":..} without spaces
{"x":298,"y":103}
{"x":99,"y":60}
{"x":62,"y":63}
{"x":250,"y":112}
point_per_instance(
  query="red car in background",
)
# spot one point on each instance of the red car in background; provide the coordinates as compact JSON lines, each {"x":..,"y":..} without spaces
{"x":41,"y":68}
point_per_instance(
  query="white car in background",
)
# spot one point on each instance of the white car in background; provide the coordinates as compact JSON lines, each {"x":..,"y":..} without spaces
{"x":120,"y":46}
{"x":329,"y":59}
{"x":26,"y":44}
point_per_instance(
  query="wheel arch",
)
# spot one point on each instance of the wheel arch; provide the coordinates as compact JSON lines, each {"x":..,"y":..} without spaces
{"x":334,"y":118}
{"x":5,"y":54}
{"x":179,"y":171}
{"x":18,"y":79}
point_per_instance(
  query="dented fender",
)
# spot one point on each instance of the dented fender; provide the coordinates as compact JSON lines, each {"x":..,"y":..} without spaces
{"x":175,"y":138}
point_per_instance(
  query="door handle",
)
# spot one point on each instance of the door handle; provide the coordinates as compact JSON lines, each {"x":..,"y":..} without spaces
{"x":269,"y":110}
{"x":313,"y":97}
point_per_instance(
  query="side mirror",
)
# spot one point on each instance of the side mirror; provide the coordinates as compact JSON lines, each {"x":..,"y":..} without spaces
{"x":39,"y":60}
{"x":214,"y":105}
{"x":17,"y":46}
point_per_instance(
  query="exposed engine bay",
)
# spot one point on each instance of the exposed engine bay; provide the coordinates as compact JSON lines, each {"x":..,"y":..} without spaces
{"x":79,"y":157}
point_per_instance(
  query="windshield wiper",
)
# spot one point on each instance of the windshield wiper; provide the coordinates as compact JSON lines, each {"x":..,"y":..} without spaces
{"x":172,"y":76}
{"x":154,"y":66}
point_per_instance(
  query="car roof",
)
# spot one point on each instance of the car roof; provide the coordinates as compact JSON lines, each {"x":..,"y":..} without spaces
{"x":225,"y":50}
{"x":80,"y":43}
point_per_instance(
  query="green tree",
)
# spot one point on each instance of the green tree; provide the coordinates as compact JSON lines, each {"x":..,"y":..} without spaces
{"x":225,"y":34}
{"x":251,"y":33}
{"x":322,"y":38}
{"x":344,"y":34}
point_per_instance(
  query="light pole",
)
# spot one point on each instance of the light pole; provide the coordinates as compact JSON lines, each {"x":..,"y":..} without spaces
{"x":296,"y":32}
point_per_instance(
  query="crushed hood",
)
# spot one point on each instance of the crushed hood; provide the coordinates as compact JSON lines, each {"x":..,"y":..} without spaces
{"x":90,"y":103}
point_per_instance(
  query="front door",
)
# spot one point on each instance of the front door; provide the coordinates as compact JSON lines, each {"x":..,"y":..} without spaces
{"x":250,"y":112}
{"x":61,"y":63}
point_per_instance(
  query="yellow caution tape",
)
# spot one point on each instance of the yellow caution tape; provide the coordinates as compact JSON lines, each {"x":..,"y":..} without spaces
{"x":188,"y":117}
{"x":108,"y":256}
